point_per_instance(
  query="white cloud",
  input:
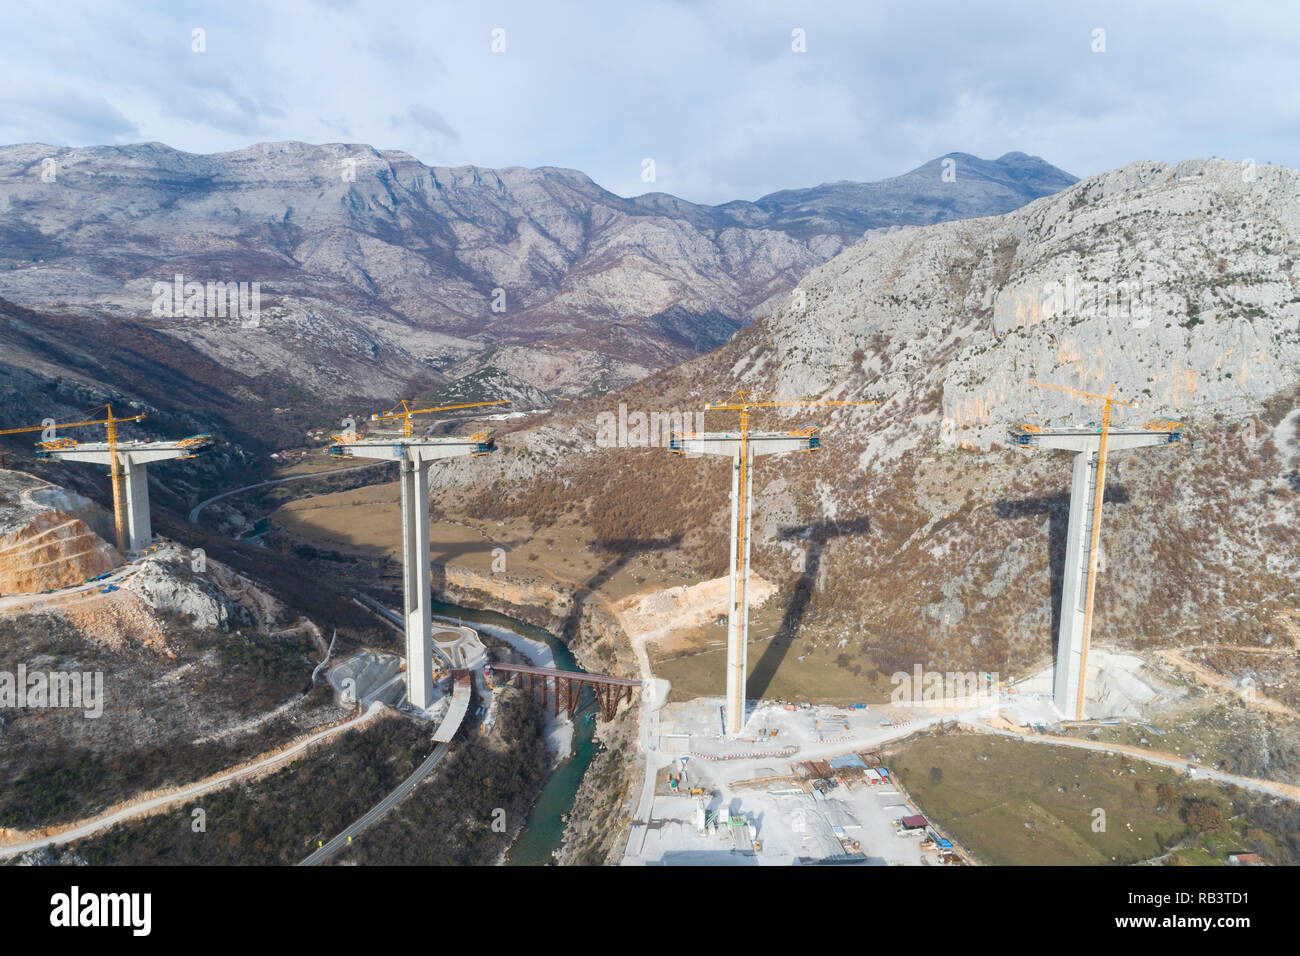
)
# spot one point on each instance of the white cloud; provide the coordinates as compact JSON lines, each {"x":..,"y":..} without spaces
{"x":713,"y":91}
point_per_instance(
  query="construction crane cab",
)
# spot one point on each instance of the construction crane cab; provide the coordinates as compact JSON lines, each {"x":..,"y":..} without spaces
{"x":1021,"y":433}
{"x":1171,"y":426}
{"x":812,"y":431}
{"x":44,"y":448}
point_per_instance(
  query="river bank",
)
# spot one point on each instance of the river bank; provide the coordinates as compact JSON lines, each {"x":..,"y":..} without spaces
{"x":587,"y":804}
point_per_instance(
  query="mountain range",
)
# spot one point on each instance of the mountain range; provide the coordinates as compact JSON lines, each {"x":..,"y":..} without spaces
{"x":916,"y":535}
{"x":379,"y":276}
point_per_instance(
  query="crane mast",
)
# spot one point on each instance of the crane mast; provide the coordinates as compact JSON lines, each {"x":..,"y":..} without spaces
{"x":742,"y":447}
{"x":1094,"y":542}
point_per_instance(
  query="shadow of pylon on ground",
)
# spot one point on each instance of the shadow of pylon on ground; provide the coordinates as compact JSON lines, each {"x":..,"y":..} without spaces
{"x":817,"y":536}
{"x":1057,"y":508}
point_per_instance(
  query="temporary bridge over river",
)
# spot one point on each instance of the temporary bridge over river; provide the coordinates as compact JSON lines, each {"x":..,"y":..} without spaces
{"x":567,"y":685}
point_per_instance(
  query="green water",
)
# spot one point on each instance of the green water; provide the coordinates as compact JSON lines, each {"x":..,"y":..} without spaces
{"x":263,"y":525}
{"x":541,"y":834}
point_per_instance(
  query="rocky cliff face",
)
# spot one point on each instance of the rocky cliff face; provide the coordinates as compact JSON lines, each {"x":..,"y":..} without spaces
{"x":921,"y":536}
{"x":1180,"y":285}
{"x":46,"y":538}
{"x":375,"y":270}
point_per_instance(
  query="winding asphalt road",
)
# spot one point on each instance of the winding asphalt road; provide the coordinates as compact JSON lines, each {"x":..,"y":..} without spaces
{"x":379,"y":809}
{"x":194,"y":515}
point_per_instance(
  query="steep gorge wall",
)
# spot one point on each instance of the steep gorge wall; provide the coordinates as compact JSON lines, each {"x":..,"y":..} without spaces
{"x":586,"y":625}
{"x":595,"y":828}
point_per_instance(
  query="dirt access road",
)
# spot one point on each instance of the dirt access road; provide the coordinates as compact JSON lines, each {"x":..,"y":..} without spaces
{"x":14,"y":842}
{"x":1157,"y":757}
{"x":1176,"y":659}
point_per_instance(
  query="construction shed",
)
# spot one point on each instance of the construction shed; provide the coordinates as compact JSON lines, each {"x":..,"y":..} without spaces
{"x":848,"y":762}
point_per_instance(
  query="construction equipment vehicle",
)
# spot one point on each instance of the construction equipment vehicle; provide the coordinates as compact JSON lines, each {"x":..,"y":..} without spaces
{"x":1173,"y":426}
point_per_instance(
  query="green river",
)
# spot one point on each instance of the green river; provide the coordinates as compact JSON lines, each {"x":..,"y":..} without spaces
{"x":541,"y":835}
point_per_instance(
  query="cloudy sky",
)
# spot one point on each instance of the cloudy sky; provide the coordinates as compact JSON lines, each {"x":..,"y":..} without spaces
{"x":716,"y":93}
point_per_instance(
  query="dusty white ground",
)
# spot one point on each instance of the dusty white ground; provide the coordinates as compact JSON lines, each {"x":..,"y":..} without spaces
{"x":1119,"y":685}
{"x":559,"y":730}
{"x":650,"y":617}
{"x":790,"y":827}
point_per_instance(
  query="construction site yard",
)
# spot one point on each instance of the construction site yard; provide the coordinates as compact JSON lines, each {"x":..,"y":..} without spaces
{"x":798,"y":787}
{"x":790,"y":828}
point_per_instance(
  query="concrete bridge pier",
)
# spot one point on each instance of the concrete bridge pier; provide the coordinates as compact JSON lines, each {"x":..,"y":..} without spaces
{"x":413,"y":457}
{"x":1074,"y":634}
{"x":133,"y":459}
{"x":416,"y":587}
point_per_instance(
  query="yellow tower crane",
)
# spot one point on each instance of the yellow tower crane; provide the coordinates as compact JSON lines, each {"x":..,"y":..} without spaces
{"x":115,"y":467}
{"x":743,"y":402}
{"x":742,"y":446}
{"x":1095,"y":542}
{"x":407,"y":412}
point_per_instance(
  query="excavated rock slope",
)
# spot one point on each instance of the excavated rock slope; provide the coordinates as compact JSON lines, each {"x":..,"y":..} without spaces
{"x":46,"y":538}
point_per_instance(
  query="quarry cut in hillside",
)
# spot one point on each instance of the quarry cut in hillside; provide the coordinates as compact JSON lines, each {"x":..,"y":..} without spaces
{"x":49,"y":537}
{"x":53,"y":538}
{"x":660,"y":613}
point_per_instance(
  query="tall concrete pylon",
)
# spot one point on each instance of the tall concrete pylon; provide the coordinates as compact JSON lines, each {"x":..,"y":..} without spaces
{"x":1090,"y":446}
{"x":743,"y":446}
{"x":133,"y":459}
{"x":413,"y":457}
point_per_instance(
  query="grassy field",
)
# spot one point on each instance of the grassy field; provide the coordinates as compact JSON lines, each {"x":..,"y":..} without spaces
{"x":368,"y":520}
{"x":1213,"y":732}
{"x":1015,"y":803}
{"x":799,"y":671}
